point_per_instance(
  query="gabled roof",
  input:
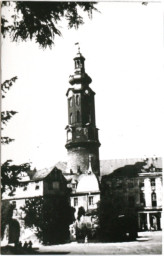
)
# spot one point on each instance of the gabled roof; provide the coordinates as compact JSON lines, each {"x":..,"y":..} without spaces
{"x":41,"y":174}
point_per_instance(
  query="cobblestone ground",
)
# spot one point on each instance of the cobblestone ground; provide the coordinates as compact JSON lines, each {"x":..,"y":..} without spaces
{"x":147,"y":243}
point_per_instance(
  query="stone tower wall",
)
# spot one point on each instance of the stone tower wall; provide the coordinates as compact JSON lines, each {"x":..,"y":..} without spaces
{"x":78,"y":157}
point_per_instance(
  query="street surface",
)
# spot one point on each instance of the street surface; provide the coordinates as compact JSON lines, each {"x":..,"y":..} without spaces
{"x":147,"y":243}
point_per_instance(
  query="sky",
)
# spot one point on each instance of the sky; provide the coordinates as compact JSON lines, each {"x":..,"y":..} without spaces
{"x":123,"y":47}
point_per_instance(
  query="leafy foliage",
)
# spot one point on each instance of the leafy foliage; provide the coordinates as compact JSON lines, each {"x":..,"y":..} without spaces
{"x":6,"y":115}
{"x":49,"y":217}
{"x":40,"y":20}
{"x":11,"y":174}
{"x":5,"y":86}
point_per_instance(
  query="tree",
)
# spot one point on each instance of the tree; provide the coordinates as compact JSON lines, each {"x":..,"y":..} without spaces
{"x":10,"y":174}
{"x":6,"y":115}
{"x":48,"y":216}
{"x":40,"y":20}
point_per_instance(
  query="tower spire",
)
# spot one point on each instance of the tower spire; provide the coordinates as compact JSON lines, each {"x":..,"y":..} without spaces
{"x":78,"y":47}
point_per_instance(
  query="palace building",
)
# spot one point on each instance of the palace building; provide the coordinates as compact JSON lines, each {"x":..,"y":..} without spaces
{"x":132,"y":186}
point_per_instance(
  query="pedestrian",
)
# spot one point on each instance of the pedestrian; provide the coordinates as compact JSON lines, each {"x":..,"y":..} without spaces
{"x":25,"y":246}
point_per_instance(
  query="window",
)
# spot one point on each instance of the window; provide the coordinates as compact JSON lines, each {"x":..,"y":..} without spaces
{"x":14,"y":204}
{"x":77,"y":64}
{"x":154,"y":199}
{"x":141,"y":183}
{"x":69,"y":135}
{"x":77,"y":100}
{"x":142,"y":199}
{"x":25,"y":188}
{"x":71,"y":118}
{"x":73,"y":185}
{"x":78,"y":116}
{"x":91,"y":200}
{"x":153,"y":182}
{"x":75,"y":201}
{"x":70,"y":102}
{"x":37,"y":187}
{"x":55,"y":184}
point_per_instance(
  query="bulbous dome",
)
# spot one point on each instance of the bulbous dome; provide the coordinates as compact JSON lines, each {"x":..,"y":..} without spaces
{"x":87,"y":183}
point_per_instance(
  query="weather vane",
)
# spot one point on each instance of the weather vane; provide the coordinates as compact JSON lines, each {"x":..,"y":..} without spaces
{"x":78,"y":46}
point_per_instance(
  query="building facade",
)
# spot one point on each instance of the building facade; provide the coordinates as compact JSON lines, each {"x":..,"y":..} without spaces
{"x":136,"y":190}
{"x":46,"y":191}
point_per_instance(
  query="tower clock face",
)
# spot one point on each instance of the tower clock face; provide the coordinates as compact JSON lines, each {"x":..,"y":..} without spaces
{"x":86,"y":91}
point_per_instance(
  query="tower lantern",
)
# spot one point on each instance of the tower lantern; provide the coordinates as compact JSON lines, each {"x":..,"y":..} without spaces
{"x":82,"y":135}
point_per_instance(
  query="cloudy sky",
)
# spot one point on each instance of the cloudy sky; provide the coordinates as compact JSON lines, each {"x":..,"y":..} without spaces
{"x":123,"y":47}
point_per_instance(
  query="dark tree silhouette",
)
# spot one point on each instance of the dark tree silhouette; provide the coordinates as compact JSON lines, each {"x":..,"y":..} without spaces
{"x":10,"y":174}
{"x":49,"y":216}
{"x":40,"y":20}
{"x":6,"y":115}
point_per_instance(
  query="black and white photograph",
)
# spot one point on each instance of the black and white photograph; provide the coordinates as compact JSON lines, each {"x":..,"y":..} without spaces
{"x":82,"y":127}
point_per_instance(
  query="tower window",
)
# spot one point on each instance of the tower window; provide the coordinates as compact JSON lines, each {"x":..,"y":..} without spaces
{"x":77,"y":100}
{"x":91,"y":200}
{"x":69,"y":135}
{"x":75,"y":201}
{"x":77,"y":64}
{"x":71,"y":118}
{"x":78,"y":116}
{"x":70,"y":102}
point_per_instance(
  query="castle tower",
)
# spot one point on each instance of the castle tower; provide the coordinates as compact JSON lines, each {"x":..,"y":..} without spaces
{"x":82,"y":135}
